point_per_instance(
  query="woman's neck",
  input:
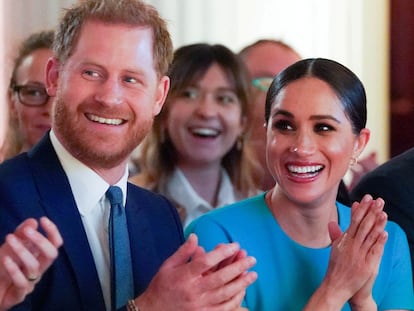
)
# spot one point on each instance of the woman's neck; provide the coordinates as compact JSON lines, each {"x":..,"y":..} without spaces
{"x":205,"y":181}
{"x":305,"y":224}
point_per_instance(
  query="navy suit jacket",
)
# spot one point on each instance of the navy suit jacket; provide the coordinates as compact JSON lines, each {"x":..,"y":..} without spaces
{"x":394,"y":182}
{"x":34,"y":184}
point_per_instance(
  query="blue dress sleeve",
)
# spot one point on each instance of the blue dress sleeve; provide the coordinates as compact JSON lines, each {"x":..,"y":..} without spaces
{"x":209,"y":232}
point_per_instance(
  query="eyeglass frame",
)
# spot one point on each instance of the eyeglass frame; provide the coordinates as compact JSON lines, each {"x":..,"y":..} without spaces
{"x":258,"y":83}
{"x":17,"y":89}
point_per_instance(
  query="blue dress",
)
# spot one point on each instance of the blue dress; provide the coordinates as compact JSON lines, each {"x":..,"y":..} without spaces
{"x":289,"y":273}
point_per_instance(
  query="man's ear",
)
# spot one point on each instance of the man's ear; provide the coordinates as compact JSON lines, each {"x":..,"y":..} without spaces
{"x":52,"y":76}
{"x":162,"y":91}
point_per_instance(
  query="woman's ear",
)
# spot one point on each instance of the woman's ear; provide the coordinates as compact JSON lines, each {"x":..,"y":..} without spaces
{"x":52,"y":76}
{"x":361,"y":141}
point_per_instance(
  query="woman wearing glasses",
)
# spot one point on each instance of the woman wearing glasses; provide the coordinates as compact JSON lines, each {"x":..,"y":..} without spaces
{"x":30,"y":106}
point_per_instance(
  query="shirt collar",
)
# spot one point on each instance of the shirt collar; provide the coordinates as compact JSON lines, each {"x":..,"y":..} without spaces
{"x":87,"y":186}
{"x":180,"y":190}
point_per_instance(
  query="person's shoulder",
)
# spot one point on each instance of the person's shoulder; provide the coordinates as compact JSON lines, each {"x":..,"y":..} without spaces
{"x":402,"y":163}
{"x":385,"y":180}
{"x":137,"y":192}
{"x":231,"y":218}
{"x":153,"y":205}
{"x":244,"y":209}
{"x":14,"y":167}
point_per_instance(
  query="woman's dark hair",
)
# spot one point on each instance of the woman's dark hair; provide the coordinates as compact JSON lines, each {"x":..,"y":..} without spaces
{"x":343,"y":82}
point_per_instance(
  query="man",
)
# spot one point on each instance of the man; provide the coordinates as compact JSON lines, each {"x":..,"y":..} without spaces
{"x":393,"y":181}
{"x":264,"y":59}
{"x":108,"y":82}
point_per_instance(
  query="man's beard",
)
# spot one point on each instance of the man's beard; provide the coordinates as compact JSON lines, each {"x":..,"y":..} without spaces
{"x":80,"y":142}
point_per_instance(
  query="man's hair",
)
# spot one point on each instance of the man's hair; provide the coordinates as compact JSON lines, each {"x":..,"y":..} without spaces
{"x":128,"y":12}
{"x":36,"y":41}
{"x":279,"y":43}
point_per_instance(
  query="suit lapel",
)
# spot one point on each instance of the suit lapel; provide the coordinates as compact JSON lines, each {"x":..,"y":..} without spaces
{"x":145,"y":258}
{"x":155,"y":233}
{"x":59,"y":204}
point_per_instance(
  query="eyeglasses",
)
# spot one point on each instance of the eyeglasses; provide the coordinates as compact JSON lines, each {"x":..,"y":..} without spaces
{"x":31,"y":95}
{"x":262,"y":83}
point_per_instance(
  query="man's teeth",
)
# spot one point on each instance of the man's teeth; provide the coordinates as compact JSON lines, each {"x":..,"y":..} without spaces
{"x":305,"y":169}
{"x":104,"y":120}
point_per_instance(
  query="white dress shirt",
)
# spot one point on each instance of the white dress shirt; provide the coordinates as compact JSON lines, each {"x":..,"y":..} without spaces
{"x":89,"y":189}
{"x":180,"y":191}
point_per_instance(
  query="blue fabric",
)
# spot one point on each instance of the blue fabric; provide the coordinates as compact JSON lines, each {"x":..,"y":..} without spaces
{"x":289,"y":273}
{"x":122,"y":286}
{"x":35,"y":185}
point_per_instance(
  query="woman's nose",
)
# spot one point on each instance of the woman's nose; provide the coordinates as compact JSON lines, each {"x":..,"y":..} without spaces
{"x":304,"y":145}
{"x":206,"y":106}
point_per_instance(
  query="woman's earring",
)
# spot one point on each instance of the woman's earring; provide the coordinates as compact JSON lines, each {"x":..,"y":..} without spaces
{"x":353,"y":161}
{"x":293,"y":149}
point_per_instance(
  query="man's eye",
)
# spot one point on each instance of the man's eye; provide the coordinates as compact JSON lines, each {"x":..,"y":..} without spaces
{"x":131,"y":80}
{"x":90,"y":73}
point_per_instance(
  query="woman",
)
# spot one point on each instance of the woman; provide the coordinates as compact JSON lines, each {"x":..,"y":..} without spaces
{"x":196,"y":154}
{"x":316,"y":116}
{"x":30,"y":105}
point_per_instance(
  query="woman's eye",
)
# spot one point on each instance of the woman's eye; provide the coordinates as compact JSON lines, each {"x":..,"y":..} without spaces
{"x":227,"y":98}
{"x":283,"y":125}
{"x":190,"y":93}
{"x":323,"y":128}
{"x":33,"y":92}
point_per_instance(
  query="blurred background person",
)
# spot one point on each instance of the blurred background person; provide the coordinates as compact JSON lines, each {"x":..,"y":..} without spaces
{"x":394,"y":182}
{"x":29,"y":104}
{"x":196,"y":154}
{"x":264,"y":59}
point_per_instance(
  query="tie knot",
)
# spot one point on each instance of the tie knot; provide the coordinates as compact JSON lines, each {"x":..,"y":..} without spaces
{"x":114,"y":195}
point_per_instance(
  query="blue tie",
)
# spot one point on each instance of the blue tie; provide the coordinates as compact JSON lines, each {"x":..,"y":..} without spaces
{"x":122,"y":286}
